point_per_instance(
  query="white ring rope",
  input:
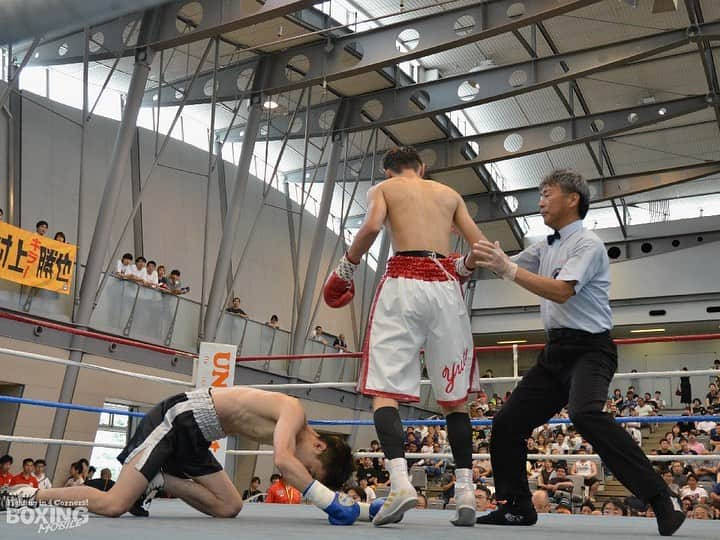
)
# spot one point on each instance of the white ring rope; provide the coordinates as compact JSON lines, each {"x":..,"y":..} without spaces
{"x":95,"y":367}
{"x":489,"y":380}
{"x":305,"y":386}
{"x":553,"y":457}
{"x":41,"y":440}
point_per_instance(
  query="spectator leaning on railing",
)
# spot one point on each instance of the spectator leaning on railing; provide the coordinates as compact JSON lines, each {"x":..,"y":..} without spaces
{"x":151,"y":275}
{"x":236,"y":309}
{"x":139,"y":272}
{"x":174,"y":285}
{"x":123,"y":267}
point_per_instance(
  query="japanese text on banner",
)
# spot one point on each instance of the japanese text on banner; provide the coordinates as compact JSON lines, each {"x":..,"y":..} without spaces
{"x":36,"y":261}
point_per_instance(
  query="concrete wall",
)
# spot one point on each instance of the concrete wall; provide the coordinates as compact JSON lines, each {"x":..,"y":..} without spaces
{"x":173,"y":211}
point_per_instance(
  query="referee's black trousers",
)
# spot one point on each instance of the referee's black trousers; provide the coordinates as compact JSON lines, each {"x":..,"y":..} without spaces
{"x":574,"y":368}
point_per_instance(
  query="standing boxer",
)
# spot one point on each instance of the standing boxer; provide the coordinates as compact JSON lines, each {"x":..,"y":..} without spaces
{"x":570,"y":272}
{"x":418,"y":304}
{"x":170,"y":450}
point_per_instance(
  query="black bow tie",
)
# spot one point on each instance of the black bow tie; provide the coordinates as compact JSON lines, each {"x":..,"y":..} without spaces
{"x":552,"y":237}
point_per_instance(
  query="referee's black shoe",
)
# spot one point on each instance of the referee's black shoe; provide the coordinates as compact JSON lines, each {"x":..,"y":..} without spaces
{"x":669,"y":520}
{"x":513,"y":512}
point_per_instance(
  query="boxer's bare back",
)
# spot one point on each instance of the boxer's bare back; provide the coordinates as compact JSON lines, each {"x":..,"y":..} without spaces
{"x":250,"y":412}
{"x":419,"y":214}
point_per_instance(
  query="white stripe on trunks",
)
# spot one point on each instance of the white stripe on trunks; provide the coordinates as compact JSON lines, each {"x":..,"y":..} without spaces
{"x":159,"y":432}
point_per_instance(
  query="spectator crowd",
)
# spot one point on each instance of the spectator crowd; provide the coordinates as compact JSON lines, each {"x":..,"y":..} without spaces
{"x":32,"y":473}
{"x":572,"y":485}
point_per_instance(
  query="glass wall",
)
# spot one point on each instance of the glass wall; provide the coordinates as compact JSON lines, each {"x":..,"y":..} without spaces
{"x":154,"y":316}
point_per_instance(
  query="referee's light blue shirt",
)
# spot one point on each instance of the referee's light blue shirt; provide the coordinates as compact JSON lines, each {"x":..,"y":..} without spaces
{"x":578,"y":255}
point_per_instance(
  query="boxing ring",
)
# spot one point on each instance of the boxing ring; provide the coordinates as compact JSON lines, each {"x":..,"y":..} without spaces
{"x":173,"y":517}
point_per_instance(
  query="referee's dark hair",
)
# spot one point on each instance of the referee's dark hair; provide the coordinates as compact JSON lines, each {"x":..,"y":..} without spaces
{"x":402,"y":157}
{"x":570,"y":181}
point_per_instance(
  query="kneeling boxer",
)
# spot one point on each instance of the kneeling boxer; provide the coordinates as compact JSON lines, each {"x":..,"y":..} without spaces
{"x":170,"y":450}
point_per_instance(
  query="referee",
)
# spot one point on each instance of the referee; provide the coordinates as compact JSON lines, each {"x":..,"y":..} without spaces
{"x":569,"y":271}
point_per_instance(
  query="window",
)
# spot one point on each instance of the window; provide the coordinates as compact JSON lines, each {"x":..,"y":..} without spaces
{"x":112,"y":429}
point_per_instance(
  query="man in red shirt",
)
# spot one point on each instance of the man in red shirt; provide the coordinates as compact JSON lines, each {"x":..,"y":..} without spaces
{"x":5,"y":475}
{"x":281,"y":493}
{"x":26,"y":476}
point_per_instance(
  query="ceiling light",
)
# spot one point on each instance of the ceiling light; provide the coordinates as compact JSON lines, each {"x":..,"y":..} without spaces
{"x":662,"y":111}
{"x":270,"y":104}
{"x":647,"y":331}
{"x":512,"y":342}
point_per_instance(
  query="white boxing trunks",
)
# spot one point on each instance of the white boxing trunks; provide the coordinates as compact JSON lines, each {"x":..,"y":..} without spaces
{"x":418,"y":304}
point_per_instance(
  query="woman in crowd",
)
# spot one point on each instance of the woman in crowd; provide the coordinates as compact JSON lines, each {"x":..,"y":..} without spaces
{"x":76,"y":475}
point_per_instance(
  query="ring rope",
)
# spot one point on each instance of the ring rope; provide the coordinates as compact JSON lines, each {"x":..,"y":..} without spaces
{"x":488,"y":380}
{"x":68,"y":406}
{"x":369,"y":422}
{"x":94,"y":367}
{"x":553,"y":457}
{"x":303,"y":386}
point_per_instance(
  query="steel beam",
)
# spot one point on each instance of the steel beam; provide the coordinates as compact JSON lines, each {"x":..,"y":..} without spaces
{"x":218,"y":17}
{"x":15,"y":72}
{"x":308,"y":291}
{"x":103,"y":227}
{"x":136,"y":187}
{"x":695,"y":14}
{"x":403,"y":104}
{"x":14,"y":158}
{"x":443,"y":155}
{"x":493,"y":206}
{"x":362,"y":52}
{"x":231,"y":224}
{"x":25,"y":19}
{"x":635,"y":248}
{"x":222,"y":189}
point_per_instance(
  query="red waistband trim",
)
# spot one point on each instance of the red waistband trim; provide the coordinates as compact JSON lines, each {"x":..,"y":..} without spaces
{"x":421,"y":268}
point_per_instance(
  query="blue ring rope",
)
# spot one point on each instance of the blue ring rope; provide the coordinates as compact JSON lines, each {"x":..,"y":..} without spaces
{"x":68,"y":406}
{"x":485,"y":422}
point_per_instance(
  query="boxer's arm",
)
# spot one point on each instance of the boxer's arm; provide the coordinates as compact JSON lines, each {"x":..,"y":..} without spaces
{"x":289,"y":424}
{"x":492,"y":256}
{"x":371,"y":227}
{"x":465,"y":224}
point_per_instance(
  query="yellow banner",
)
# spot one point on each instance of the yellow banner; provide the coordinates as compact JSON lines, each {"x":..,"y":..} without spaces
{"x":36,"y":261}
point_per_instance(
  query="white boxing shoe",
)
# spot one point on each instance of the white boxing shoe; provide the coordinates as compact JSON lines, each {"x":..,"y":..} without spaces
{"x":397,"y":503}
{"x":464,"y":509}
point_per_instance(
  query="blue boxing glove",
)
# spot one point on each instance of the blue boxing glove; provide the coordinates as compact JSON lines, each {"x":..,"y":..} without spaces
{"x":340,"y":508}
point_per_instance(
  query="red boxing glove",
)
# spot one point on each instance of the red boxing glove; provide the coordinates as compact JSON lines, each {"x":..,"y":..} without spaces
{"x":339,"y":289}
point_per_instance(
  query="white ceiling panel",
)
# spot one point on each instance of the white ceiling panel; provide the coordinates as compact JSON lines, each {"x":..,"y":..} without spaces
{"x":416,"y":131}
{"x":500,"y":231}
{"x":660,"y":150}
{"x":464,"y":181}
{"x":610,"y":21}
